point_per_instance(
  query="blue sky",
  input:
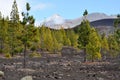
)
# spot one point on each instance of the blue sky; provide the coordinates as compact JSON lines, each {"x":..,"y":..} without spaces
{"x":69,"y":9}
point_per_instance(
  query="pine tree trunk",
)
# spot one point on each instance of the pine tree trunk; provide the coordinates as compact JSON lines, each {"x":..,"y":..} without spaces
{"x":92,"y":59}
{"x":24,"y":63}
{"x":85,"y":59}
{"x":1,"y":45}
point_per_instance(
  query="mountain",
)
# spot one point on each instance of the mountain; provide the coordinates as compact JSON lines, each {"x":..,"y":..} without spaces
{"x":56,"y":21}
{"x":92,"y":17}
{"x":103,"y":26}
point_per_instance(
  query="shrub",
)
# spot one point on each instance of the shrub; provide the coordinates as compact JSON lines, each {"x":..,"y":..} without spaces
{"x":7,"y":55}
{"x":34,"y":54}
{"x":33,"y":48}
{"x":18,"y":50}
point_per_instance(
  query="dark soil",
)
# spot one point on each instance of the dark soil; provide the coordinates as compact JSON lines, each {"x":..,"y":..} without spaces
{"x":60,"y":68}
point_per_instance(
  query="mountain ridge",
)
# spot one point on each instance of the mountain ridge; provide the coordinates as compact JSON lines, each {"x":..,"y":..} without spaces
{"x":56,"y":21}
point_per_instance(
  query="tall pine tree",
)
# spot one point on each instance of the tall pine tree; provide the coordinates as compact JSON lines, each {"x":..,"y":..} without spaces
{"x":94,"y":46}
{"x":13,"y":28}
{"x":28,"y":24}
{"x":84,"y":33}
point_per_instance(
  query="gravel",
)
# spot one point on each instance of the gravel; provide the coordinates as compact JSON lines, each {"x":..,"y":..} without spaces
{"x":60,"y":68}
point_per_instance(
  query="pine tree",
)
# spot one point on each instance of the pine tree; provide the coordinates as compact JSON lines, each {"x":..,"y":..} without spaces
{"x":113,"y":46}
{"x":117,"y":30}
{"x":104,"y":44}
{"x":35,"y":39}
{"x":3,"y":35}
{"x":117,"y":36}
{"x":66,"y":40}
{"x":13,"y":28}
{"x":58,"y":40}
{"x":59,"y":37}
{"x":28,"y":24}
{"x":14,"y":13}
{"x":48,"y":41}
{"x":117,"y":21}
{"x":72,"y":37}
{"x":56,"y":46}
{"x":84,"y":33}
{"x":85,"y":14}
{"x":42,"y":38}
{"x":93,"y":47}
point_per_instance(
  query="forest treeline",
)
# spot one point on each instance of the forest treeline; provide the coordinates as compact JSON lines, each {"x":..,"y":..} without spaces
{"x":19,"y":36}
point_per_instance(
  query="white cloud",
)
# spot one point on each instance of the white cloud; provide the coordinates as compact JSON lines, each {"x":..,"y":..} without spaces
{"x":6,"y":6}
{"x":42,"y":6}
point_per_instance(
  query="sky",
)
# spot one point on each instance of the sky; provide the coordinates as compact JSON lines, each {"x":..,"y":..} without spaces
{"x":68,"y":9}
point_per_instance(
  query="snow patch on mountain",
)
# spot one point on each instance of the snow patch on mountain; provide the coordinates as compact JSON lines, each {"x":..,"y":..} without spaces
{"x":54,"y":19}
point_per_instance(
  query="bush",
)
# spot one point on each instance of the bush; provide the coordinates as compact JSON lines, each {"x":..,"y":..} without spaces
{"x":8,"y":56}
{"x":34,"y":54}
{"x":18,"y":50}
{"x":33,"y":48}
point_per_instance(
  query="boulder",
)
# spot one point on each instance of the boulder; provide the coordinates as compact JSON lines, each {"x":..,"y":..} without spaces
{"x":27,"y":78}
{"x":1,"y":73}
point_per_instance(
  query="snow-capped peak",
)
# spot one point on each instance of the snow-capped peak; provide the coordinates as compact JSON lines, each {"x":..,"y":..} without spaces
{"x":55,"y":19}
{"x":56,"y":16}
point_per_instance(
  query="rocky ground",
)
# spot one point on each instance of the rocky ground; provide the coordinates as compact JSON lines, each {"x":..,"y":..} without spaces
{"x":60,"y":68}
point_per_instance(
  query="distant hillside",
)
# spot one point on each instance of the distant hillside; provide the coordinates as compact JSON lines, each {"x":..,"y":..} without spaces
{"x":103,"y":26}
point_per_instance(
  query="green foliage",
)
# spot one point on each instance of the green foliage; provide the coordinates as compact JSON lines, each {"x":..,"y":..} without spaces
{"x":27,"y":6}
{"x":89,"y":41}
{"x":114,"y":39}
{"x":84,"y":32}
{"x":42,"y":38}
{"x":104,"y":44}
{"x":18,"y":50}
{"x":59,"y":37}
{"x":94,"y":46}
{"x":28,"y":27}
{"x":14,"y":31}
{"x":14,"y":13}
{"x":34,"y":54}
{"x":117,"y":36}
{"x":48,"y":40}
{"x":113,"y":46}
{"x":33,"y":48}
{"x":7,"y":55}
{"x":72,"y":37}
{"x":65,"y":40}
{"x":28,"y":31}
{"x":3,"y":34}
{"x":85,"y":13}
{"x":56,"y":46}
